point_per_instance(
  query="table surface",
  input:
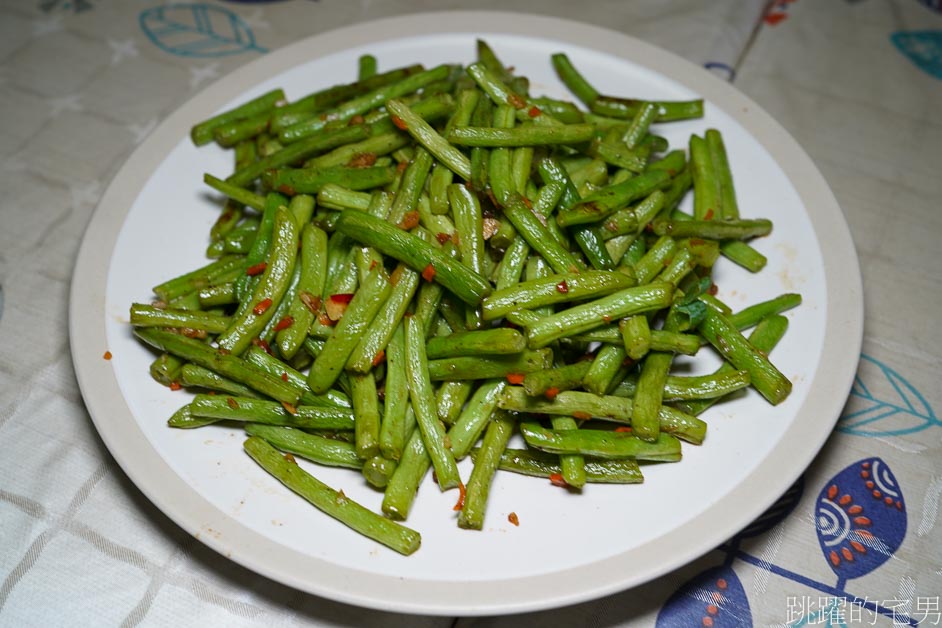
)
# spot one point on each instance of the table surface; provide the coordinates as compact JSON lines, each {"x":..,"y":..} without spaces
{"x":857,"y":82}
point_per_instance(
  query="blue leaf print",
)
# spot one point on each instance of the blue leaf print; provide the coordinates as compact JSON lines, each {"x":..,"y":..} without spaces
{"x":777,"y":511}
{"x":883,"y":403}
{"x":924,"y":48}
{"x":714,"y":597}
{"x":860,"y":518}
{"x":197,"y":30}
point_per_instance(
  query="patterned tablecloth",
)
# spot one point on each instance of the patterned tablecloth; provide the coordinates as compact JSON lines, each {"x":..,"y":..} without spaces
{"x":857,"y":82}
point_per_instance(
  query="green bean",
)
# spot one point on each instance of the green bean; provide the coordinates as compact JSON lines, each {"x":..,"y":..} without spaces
{"x":183,"y":419}
{"x":197,"y":279}
{"x":691,"y":387}
{"x":469,"y":223}
{"x":326,"y":451}
{"x":604,"y":369}
{"x":655,"y":260}
{"x":268,"y":363}
{"x":392,"y":434}
{"x":195,"y":376}
{"x":269,"y":290}
{"x":536,"y":463}
{"x":253,"y":410}
{"x":434,"y":143}
{"x":166,"y":369}
{"x":366,"y":67}
{"x":729,"y":208}
{"x":552,"y":381}
{"x":603,"y":203}
{"x":585,"y":405}
{"x":313,"y":264}
{"x":311,"y":180}
{"x":451,"y":369}
{"x":377,"y":471}
{"x":636,"y":335}
{"x":667,"y":111}
{"x":496,"y":436}
{"x":731,"y":344}
{"x":450,"y":399}
{"x":751,"y":315}
{"x":713,"y":229}
{"x":572,"y":79}
{"x":149,"y":316}
{"x":334,"y":503}
{"x":601,"y":444}
{"x":359,"y":314}
{"x":501,"y":94}
{"x":366,"y":409}
{"x":420,"y":394}
{"x":402,"y":486}
{"x":559,"y":288}
{"x":223,"y":363}
{"x":563,"y":134}
{"x":362,"y":104}
{"x":500,"y":341}
{"x":369,"y":350}
{"x":202,"y":133}
{"x":394,"y":242}
{"x":595,"y":313}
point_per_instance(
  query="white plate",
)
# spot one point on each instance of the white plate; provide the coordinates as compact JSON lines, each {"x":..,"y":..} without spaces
{"x":152,"y":225}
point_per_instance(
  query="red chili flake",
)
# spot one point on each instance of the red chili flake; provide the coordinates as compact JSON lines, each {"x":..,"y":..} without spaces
{"x":223,"y":351}
{"x":357,"y":119}
{"x":262,"y":306}
{"x":512,"y":518}
{"x":310,"y":301}
{"x":193,"y":333}
{"x":323,"y":319}
{"x":400,"y":123}
{"x":175,"y":386}
{"x":290,"y":458}
{"x":581,"y":415}
{"x":696,"y":241}
{"x":284,"y":376}
{"x":515,"y":378}
{"x":402,"y":165}
{"x":623,"y":428}
{"x":286,"y":189}
{"x":379,"y":357}
{"x":562,"y":287}
{"x":396,"y":275}
{"x":515,"y":101}
{"x":256,"y":269}
{"x":557,"y":480}
{"x":713,"y":289}
{"x":709,"y":214}
{"x":284,"y":323}
{"x":258,"y":342}
{"x":534,"y":112}
{"x":773,"y":19}
{"x":106,"y":355}
{"x":611,"y":225}
{"x":527,"y":202}
{"x":607,"y":318}
{"x":428,"y":273}
{"x":551,"y":393}
{"x":461,"y":495}
{"x":409,"y":221}
{"x":442,"y":237}
{"x":342,"y":297}
{"x":290,"y":408}
{"x":232,"y":403}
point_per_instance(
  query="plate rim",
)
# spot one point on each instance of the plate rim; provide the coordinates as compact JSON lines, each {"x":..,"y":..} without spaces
{"x":181,"y":503}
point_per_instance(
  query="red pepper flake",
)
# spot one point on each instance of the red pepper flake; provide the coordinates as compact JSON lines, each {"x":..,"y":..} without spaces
{"x":461,"y":495}
{"x":262,"y":306}
{"x":373,"y":264}
{"x":223,"y":351}
{"x":409,"y":221}
{"x":232,"y":403}
{"x":709,"y":214}
{"x":379,"y":357}
{"x":428,"y":273}
{"x":289,"y":408}
{"x":534,"y":112}
{"x":193,"y":333}
{"x":556,"y":479}
{"x":290,"y":458}
{"x":515,"y":378}
{"x":323,"y":319}
{"x":606,"y":318}
{"x":175,"y":386}
{"x":581,"y":415}
{"x":713,"y":289}
{"x":258,"y":342}
{"x":513,"y":518}
{"x":623,"y":428}
{"x":106,"y":355}
{"x":286,"y":189}
{"x":442,"y":237}
{"x":515,"y":101}
{"x":696,"y":242}
{"x":284,"y":376}
{"x":311,"y":302}
{"x":402,"y":165}
{"x":527,"y":202}
{"x":551,"y":392}
{"x":337,"y":305}
{"x":256,"y":269}
{"x":357,"y":119}
{"x":772,"y":19}
{"x":400,"y":123}
{"x":562,"y":287}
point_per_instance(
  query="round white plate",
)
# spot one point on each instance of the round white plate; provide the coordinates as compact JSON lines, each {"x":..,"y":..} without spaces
{"x":152,"y":225}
